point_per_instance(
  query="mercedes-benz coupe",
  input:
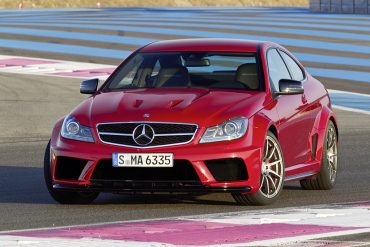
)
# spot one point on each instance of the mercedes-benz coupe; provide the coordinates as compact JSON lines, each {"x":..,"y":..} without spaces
{"x":197,"y":116}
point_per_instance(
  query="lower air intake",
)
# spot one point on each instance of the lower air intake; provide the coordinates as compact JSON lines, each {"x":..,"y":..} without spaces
{"x":225,"y":170}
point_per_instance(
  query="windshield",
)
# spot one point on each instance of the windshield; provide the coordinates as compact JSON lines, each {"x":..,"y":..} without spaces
{"x":188,"y":69}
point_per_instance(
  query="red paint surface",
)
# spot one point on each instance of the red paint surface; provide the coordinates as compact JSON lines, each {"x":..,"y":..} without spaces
{"x":22,"y":62}
{"x":87,"y":72}
{"x":227,"y":45}
{"x":184,"y":232}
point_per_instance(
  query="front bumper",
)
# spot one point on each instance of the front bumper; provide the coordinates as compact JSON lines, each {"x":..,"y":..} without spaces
{"x":196,"y":154}
{"x":127,"y":186}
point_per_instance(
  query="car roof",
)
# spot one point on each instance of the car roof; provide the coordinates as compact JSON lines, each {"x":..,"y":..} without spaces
{"x":216,"y":45}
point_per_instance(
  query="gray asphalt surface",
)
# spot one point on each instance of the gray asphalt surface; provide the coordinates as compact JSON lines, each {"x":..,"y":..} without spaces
{"x":29,"y":105}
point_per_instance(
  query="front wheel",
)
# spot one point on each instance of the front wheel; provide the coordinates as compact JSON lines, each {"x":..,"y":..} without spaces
{"x":272,"y":175}
{"x":64,"y":197}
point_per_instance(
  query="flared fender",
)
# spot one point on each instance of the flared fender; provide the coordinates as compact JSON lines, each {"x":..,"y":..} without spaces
{"x":321,"y":123}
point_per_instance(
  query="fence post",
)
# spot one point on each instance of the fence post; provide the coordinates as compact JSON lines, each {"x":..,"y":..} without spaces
{"x":315,"y":5}
{"x":325,"y":6}
{"x":341,"y":6}
{"x":348,"y":6}
{"x":336,"y":6}
{"x":361,"y":7}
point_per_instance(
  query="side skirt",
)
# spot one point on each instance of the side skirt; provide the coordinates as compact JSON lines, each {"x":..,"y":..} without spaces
{"x":299,"y":176}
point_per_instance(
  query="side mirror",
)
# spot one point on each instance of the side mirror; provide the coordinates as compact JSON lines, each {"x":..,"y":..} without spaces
{"x":89,"y":86}
{"x":290,"y":87}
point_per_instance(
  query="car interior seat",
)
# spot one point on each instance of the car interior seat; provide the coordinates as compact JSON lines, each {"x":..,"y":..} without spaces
{"x":247,"y":75}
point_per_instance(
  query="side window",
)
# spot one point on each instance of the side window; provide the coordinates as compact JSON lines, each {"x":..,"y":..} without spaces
{"x":277,"y":68}
{"x":296,"y":71}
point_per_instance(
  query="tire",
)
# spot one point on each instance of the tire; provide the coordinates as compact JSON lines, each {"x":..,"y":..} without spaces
{"x":325,"y":180}
{"x":272,"y":176}
{"x":64,"y":197}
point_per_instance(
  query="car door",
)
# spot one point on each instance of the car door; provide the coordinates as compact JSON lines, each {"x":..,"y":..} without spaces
{"x":312,"y":103}
{"x":293,"y":131}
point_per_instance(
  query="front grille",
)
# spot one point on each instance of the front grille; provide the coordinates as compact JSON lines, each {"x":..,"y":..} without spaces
{"x":155,"y":134}
{"x":181,"y":171}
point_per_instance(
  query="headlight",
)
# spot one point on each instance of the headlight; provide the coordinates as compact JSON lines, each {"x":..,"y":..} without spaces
{"x":229,"y":130}
{"x":72,"y":129}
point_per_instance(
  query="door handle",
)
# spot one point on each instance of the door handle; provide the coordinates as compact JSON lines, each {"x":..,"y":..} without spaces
{"x":304,"y":100}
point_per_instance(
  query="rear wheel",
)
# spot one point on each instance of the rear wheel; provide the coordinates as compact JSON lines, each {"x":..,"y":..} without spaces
{"x":272,"y":175}
{"x":64,"y":197}
{"x":325,"y":180}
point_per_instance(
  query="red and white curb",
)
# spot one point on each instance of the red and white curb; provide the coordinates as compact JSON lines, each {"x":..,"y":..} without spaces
{"x":49,"y":67}
{"x":272,"y":227}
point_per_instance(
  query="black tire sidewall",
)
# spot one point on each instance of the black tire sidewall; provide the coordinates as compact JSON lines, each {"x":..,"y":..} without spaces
{"x":324,"y":176}
{"x":64,"y":197}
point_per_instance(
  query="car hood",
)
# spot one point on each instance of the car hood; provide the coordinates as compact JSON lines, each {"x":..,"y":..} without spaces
{"x":204,"y":107}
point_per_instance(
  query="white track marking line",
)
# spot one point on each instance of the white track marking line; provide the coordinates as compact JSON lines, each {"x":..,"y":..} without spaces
{"x":56,"y":66}
{"x":350,"y":109}
{"x":286,"y":241}
{"x":346,"y":92}
{"x":262,"y":216}
{"x":15,"y":241}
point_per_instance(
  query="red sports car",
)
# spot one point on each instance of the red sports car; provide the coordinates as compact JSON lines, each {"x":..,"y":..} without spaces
{"x":197,"y":115}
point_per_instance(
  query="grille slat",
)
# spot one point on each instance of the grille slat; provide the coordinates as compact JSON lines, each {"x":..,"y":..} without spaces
{"x":165,"y":134}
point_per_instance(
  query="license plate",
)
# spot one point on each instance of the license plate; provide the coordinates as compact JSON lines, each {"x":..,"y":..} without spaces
{"x":142,"y":160}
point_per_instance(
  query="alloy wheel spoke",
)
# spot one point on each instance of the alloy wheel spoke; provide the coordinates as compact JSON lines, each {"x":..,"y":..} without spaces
{"x":272,"y":153}
{"x":262,"y":181}
{"x":267,"y":149}
{"x":332,"y":165}
{"x":275,"y":173}
{"x":331,"y":143}
{"x":272,"y":182}
{"x":267,"y":186}
{"x":331,"y":139}
{"x":332,"y":172}
{"x":332,"y":153}
{"x":274,"y":163}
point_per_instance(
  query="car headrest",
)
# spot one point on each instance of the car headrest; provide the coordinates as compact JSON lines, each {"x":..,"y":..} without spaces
{"x":170,"y":61}
{"x":176,"y":76}
{"x":247,"y":74}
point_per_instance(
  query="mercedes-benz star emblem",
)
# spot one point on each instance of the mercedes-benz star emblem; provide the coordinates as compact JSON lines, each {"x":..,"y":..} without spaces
{"x":143,"y":134}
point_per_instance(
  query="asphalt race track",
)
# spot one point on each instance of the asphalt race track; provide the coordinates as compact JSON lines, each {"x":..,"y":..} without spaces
{"x":336,"y":49}
{"x":30,"y":105}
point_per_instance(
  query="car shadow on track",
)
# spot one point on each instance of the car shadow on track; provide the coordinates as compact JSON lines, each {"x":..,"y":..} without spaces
{"x":26,"y":185}
{"x":23,"y":185}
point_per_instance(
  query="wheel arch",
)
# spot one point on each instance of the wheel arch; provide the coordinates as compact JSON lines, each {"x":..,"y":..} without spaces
{"x":322,"y":122}
{"x":273,"y":129}
{"x":333,"y":119}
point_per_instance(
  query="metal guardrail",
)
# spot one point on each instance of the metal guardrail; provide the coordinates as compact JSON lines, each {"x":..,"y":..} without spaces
{"x":341,"y":6}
